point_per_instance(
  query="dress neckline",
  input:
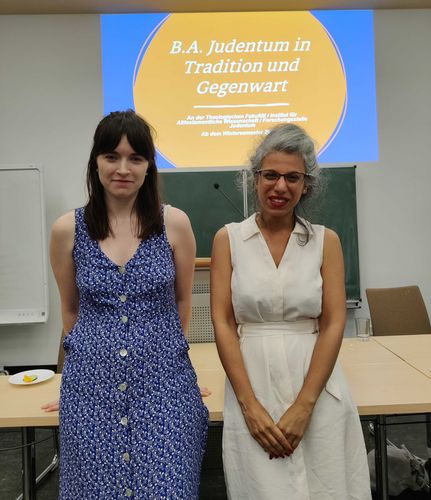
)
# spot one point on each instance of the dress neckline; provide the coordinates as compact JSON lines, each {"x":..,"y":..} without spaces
{"x":268,"y":250}
{"x":114,"y":263}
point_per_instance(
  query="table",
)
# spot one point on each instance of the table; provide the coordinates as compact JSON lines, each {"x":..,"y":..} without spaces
{"x":413,"y":349}
{"x":387,"y":376}
{"x":381,"y":382}
{"x":210,"y":373}
{"x":20,"y":407}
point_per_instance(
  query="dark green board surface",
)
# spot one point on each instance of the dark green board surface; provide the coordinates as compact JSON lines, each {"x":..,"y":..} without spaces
{"x":336,"y":209}
{"x":210,"y":208}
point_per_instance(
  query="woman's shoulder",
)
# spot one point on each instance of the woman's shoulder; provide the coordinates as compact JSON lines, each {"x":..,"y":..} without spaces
{"x":331,"y":237}
{"x":328,"y":238}
{"x":63,"y":232}
{"x":65,"y":224}
{"x":304,"y":225}
{"x":178,"y":228}
{"x":245,"y":225}
{"x":175,"y":217}
{"x":221,"y":234}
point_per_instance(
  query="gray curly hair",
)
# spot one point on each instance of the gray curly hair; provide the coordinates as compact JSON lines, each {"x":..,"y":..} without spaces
{"x":291,"y":139}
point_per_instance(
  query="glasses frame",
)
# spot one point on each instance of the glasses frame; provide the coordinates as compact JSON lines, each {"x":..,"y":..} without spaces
{"x":303,"y":174}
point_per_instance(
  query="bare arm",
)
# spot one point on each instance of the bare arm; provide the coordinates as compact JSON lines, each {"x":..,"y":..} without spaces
{"x":63,"y":266}
{"x":259,"y":422}
{"x":182,"y":241}
{"x":331,"y":328}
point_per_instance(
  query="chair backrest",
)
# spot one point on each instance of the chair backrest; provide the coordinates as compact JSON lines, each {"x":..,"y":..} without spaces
{"x":398,"y":311}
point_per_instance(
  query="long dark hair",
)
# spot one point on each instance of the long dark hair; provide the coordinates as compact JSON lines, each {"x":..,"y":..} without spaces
{"x":147,"y":204}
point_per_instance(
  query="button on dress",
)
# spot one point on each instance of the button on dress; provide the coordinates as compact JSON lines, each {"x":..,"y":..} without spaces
{"x":132,"y":420}
{"x":277,"y":310}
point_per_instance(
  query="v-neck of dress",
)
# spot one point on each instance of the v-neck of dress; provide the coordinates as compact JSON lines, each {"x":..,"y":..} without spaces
{"x":267,"y":250}
{"x":114,"y":263}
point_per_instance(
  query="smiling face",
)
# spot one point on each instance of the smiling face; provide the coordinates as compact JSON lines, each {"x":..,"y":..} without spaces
{"x":122,"y":171}
{"x":278,"y":198}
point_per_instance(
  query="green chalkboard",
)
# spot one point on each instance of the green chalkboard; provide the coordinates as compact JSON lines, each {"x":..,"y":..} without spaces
{"x":214,"y":198}
{"x":211,"y":199}
{"x":336,"y":208}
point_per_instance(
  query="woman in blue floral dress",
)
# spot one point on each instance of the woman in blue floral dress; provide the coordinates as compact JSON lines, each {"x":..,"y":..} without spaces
{"x":132,"y":420}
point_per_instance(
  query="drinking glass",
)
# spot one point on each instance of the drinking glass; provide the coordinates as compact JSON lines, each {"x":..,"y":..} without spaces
{"x":363,"y":328}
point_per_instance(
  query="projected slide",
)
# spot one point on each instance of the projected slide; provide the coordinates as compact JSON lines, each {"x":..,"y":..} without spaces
{"x":212,"y":84}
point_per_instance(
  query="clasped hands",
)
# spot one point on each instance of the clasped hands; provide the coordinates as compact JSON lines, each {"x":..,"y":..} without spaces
{"x":277,"y":439}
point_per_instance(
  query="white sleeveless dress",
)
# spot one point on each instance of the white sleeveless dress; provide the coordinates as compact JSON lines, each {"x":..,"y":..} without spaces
{"x":276,"y":309}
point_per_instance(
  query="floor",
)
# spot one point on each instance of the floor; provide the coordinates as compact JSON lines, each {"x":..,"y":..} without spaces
{"x":212,"y":481}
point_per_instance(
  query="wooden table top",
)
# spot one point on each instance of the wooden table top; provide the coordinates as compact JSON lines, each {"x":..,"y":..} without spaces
{"x":20,"y":404}
{"x":380,"y":380}
{"x":210,"y":373}
{"x":413,"y":349}
{"x":382,"y":383}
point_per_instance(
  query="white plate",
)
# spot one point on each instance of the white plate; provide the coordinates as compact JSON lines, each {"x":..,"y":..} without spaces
{"x":42,"y":375}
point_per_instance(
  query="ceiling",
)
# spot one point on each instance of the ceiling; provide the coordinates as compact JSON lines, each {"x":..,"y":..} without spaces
{"x":123,"y":6}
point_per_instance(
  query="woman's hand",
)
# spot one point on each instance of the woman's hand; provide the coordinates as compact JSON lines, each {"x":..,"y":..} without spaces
{"x":264,"y":430}
{"x":52,"y":406}
{"x":294,"y":423}
{"x":205,"y":392}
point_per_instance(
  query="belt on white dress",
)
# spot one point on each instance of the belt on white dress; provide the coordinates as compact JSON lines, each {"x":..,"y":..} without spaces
{"x":278,"y":328}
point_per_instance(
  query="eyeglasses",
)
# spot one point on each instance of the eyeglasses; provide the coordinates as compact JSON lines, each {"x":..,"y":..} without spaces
{"x":272,"y":177}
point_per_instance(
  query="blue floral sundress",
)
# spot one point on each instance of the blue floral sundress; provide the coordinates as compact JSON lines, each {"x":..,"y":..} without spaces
{"x":132,"y":421}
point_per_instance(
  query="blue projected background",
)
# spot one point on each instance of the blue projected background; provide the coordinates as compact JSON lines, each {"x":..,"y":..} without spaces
{"x":138,"y":61}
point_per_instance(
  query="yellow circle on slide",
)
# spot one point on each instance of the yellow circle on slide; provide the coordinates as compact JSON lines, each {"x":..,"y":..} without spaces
{"x":212,"y":84}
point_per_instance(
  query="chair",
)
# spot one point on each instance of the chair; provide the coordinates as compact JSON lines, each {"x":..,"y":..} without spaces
{"x":398,"y":311}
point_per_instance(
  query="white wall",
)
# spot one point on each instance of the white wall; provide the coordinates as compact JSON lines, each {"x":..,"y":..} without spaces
{"x":50,"y":104}
{"x":394,"y":202}
{"x":51,"y":101}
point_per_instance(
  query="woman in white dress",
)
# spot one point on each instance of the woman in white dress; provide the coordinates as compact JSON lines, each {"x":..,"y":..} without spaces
{"x":291,"y":430}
